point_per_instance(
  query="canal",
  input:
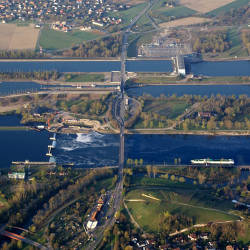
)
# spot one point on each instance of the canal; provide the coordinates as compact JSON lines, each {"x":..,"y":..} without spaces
{"x":210,"y":68}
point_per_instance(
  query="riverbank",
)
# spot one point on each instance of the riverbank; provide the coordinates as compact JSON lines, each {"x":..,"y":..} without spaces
{"x":147,"y":79}
{"x":190,"y":132}
{"x":157,"y":131}
{"x":60,"y":60}
{"x":15,"y":128}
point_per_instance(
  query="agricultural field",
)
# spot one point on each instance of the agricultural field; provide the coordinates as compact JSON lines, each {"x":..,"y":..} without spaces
{"x":53,"y":39}
{"x":233,"y":5}
{"x":147,"y":206}
{"x":185,"y":22}
{"x":14,"y":37}
{"x":204,"y":6}
{"x":166,"y":14}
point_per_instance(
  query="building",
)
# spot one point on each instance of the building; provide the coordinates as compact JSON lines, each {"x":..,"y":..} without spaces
{"x":16,"y":175}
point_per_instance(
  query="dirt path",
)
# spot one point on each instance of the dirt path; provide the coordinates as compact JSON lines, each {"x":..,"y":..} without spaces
{"x":131,"y":217}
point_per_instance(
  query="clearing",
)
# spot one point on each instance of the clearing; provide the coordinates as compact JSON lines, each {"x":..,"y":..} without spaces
{"x":204,"y":6}
{"x":185,"y":22}
{"x":15,"y":37}
{"x":193,"y":203}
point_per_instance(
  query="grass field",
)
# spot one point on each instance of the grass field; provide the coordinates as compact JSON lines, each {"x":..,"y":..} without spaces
{"x":52,"y":39}
{"x":190,"y":202}
{"x":144,"y":24}
{"x":15,"y":37}
{"x":233,"y":5}
{"x":166,"y":14}
{"x":171,"y":108}
{"x":84,"y":77}
{"x":204,"y":6}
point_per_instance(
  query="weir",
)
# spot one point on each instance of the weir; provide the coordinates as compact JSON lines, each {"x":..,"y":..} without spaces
{"x":180,"y":65}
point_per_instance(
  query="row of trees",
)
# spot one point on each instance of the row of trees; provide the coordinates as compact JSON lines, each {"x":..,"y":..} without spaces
{"x":37,"y":75}
{"x":105,"y":47}
{"x":19,"y":54}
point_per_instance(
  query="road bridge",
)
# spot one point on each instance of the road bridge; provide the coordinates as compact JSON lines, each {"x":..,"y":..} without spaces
{"x":118,"y":113}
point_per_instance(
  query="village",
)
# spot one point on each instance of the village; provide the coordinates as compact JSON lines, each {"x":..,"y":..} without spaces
{"x":63,"y":15}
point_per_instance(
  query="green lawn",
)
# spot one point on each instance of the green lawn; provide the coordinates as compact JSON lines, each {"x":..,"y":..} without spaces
{"x":234,"y":5}
{"x":53,"y":39}
{"x":84,"y":77}
{"x":175,"y":201}
{"x":171,"y":108}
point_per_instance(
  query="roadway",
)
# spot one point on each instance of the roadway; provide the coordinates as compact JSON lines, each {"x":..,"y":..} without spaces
{"x":118,"y":113}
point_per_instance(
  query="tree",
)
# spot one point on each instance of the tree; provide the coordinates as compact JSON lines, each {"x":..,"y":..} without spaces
{"x":211,"y":125}
{"x":201,"y":178}
{"x":141,"y":161}
{"x":155,"y":170}
{"x":181,"y":179}
{"x":148,"y":167}
{"x":228,"y":124}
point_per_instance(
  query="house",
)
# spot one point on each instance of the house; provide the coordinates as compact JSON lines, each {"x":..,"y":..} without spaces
{"x":192,"y":237}
{"x":204,"y":114}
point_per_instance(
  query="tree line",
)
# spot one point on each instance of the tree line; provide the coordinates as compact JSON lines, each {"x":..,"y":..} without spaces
{"x":105,"y":47}
{"x":36,"y":75}
{"x":19,"y":54}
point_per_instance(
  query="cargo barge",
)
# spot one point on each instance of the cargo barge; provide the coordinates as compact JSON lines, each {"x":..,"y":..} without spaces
{"x":212,"y":162}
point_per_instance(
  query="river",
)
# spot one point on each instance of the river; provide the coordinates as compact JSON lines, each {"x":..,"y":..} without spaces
{"x":223,"y":68}
{"x":94,"y":149}
{"x":22,"y":145}
{"x":7,"y":88}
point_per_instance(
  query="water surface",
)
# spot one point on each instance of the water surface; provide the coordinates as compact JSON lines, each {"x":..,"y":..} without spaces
{"x":23,"y":145}
{"x":181,"y":90}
